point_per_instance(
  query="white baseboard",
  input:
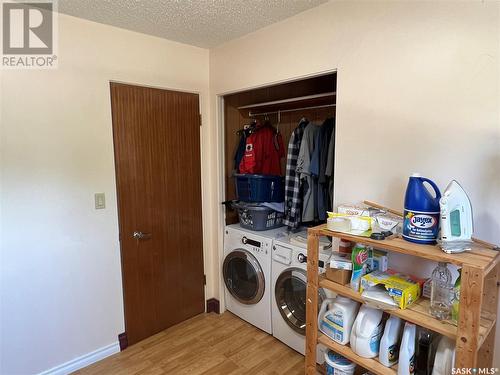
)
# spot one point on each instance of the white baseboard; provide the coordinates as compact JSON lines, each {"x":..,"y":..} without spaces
{"x":84,"y":360}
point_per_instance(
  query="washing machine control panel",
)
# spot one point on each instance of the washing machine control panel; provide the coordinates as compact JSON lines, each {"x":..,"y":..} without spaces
{"x":254,"y":246}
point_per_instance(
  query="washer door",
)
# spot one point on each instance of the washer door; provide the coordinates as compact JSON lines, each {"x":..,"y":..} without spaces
{"x":290,"y":294}
{"x":243,"y":277}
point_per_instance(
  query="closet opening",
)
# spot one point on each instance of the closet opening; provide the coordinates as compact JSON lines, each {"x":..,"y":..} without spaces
{"x":283,"y":108}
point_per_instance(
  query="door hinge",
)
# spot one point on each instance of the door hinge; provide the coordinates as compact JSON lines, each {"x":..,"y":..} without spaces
{"x":201,"y":122}
{"x":204,"y":279}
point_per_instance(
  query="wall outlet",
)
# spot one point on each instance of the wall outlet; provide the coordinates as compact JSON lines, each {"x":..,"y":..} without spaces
{"x":100,"y":201}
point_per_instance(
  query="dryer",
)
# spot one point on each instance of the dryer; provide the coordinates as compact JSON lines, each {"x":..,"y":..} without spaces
{"x":289,"y":284}
{"x":246,"y":271}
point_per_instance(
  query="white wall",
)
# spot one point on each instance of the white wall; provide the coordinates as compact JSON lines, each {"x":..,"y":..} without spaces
{"x":418,"y":90}
{"x":409,"y":74}
{"x":61,"y":292}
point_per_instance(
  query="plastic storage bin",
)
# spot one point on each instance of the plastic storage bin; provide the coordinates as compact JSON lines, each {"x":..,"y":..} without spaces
{"x":260,"y":188}
{"x":256,"y":217}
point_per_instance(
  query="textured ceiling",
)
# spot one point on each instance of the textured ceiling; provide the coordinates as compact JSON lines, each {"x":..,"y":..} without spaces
{"x":203,"y":23}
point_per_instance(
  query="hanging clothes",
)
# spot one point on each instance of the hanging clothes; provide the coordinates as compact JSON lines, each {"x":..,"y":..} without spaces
{"x":307,"y":180}
{"x":330,"y":166}
{"x":293,"y":194}
{"x":240,"y":150}
{"x":324,"y":139}
{"x":274,"y":151}
{"x":263,"y":152}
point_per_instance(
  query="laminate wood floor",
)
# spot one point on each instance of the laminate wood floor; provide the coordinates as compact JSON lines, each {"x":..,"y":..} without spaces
{"x":207,"y":344}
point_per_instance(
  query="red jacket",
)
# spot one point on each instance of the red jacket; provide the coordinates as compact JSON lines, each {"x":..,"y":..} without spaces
{"x":263,"y":152}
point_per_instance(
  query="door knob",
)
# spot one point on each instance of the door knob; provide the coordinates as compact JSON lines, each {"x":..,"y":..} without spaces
{"x":141,"y":236}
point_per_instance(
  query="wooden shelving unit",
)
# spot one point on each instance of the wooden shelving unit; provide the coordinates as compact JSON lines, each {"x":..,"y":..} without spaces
{"x":475,"y":333}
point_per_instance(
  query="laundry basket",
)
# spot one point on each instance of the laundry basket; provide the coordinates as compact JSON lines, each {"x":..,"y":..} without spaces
{"x":257,"y":217}
{"x":260,"y":188}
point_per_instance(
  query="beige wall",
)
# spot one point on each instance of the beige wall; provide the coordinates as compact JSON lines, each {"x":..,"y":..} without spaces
{"x":61,"y":293}
{"x":418,"y":90}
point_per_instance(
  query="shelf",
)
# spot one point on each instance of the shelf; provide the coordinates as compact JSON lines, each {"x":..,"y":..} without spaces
{"x":480,"y":256}
{"x":291,"y":104}
{"x":373,"y":365}
{"x":487,"y":323}
{"x":417,"y":313}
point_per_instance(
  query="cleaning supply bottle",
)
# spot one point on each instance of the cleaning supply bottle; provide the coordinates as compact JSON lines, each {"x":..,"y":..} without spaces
{"x":445,"y":357}
{"x":359,"y":257}
{"x":441,"y":292}
{"x":336,"y":318}
{"x":389,"y":344}
{"x":455,"y":300}
{"x":406,"y":365}
{"x":424,"y":352}
{"x":338,"y":365}
{"x":421,"y":214}
{"x":367,"y":332}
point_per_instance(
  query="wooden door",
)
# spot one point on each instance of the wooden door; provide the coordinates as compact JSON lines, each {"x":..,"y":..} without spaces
{"x":157,"y":156}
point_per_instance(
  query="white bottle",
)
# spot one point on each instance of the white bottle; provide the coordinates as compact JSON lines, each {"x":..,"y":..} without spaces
{"x":406,"y":364}
{"x":336,"y":317}
{"x":367,"y":332}
{"x":445,"y":357}
{"x":389,"y":344}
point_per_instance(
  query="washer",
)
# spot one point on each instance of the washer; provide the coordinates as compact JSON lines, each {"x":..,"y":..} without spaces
{"x":246,"y":271}
{"x":289,"y":280}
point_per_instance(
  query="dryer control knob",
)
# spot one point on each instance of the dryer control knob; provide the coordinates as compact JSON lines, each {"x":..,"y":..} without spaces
{"x":302,"y":258}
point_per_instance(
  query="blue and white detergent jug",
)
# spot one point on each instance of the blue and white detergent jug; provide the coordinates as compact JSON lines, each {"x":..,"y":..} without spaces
{"x":421,"y":215}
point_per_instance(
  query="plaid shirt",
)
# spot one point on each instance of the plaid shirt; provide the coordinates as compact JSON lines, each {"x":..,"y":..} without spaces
{"x":293,"y":196}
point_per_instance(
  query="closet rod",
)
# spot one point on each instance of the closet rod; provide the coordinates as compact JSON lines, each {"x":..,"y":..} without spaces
{"x":252,"y":114}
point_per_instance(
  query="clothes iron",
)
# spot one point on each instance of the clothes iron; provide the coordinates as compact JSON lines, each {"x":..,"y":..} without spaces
{"x":456,"y":219}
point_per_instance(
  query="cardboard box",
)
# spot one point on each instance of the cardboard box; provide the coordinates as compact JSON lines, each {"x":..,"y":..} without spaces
{"x":339,"y":276}
{"x":353,"y":210}
{"x":341,"y":261}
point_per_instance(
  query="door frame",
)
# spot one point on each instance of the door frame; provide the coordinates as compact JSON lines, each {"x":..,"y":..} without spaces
{"x":204,"y":202}
{"x":220,"y":165}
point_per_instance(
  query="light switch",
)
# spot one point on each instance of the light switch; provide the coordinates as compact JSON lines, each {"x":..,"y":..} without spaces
{"x":100,"y":201}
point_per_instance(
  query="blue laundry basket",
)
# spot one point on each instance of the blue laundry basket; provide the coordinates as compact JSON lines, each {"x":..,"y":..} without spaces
{"x":260,"y":188}
{"x":256,"y":217}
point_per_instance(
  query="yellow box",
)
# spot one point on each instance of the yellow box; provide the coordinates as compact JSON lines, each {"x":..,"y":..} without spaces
{"x":403,"y":290}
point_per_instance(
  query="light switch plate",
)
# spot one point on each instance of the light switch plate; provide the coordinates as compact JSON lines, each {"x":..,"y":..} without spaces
{"x":100,"y":201}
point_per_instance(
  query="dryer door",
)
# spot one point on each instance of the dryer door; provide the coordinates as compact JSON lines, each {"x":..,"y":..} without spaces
{"x":243,"y":277}
{"x":290,"y":294}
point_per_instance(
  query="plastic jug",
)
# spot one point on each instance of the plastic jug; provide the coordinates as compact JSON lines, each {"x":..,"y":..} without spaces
{"x":337,"y":365}
{"x":421,"y":214}
{"x":445,"y":357}
{"x":389,"y":344}
{"x":424,"y":351}
{"x":406,"y":364}
{"x":367,"y":331}
{"x":336,"y":318}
